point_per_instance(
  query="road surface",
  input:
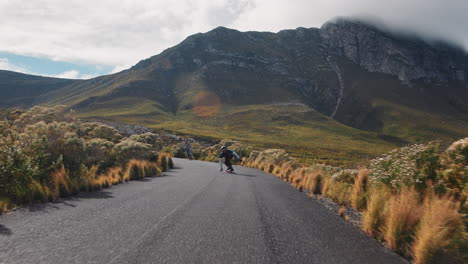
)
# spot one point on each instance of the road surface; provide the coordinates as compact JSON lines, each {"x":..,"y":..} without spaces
{"x":193,"y":214}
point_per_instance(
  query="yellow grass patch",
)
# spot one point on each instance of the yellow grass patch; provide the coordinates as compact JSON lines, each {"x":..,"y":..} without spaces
{"x":358,"y":195}
{"x":402,"y":216}
{"x":440,"y":223}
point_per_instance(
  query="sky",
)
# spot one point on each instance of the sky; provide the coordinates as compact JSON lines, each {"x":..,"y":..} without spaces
{"x":87,"y":38}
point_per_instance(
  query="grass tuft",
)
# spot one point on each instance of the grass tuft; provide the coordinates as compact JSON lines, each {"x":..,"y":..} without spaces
{"x":358,"y":195}
{"x":60,"y":183}
{"x":402,"y":216}
{"x":440,"y":223}
{"x":342,"y":212}
{"x":374,"y":217}
{"x":4,"y":205}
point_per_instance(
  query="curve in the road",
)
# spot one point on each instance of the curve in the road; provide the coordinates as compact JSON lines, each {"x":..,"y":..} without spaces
{"x":192,"y":215}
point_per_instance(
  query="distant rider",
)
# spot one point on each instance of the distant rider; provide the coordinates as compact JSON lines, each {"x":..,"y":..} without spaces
{"x":188,"y":149}
{"x":227,"y":154}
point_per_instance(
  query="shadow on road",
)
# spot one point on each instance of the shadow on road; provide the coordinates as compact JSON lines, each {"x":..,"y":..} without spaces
{"x":68,"y":201}
{"x":242,"y":174}
{"x":4,"y":231}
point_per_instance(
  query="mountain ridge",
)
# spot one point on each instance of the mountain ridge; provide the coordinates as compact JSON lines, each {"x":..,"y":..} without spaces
{"x":349,"y":72}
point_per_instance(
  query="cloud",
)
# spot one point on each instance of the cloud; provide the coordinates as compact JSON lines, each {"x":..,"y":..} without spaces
{"x":73,"y":74}
{"x":5,"y":64}
{"x":120,"y":34}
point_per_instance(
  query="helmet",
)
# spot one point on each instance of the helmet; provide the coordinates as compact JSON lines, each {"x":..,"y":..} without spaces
{"x":223,"y":147}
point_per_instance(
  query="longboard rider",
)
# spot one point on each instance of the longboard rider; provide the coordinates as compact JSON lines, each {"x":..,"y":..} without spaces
{"x":227,"y":154}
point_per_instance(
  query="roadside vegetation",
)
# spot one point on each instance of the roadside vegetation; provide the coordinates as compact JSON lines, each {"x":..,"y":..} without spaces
{"x":45,"y":154}
{"x":413,"y":199}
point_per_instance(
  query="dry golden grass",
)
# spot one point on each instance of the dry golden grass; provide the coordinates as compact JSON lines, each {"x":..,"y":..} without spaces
{"x":374,"y":216}
{"x":60,"y":183}
{"x":115,"y":175}
{"x":297,"y":178}
{"x":401,"y":218}
{"x":163,"y":161}
{"x":38,"y":192}
{"x":138,"y":169}
{"x":342,"y":211}
{"x":313,"y":182}
{"x":439,"y":225}
{"x":337,"y":191}
{"x":271,"y":167}
{"x":277,"y":171}
{"x":4,"y":205}
{"x":358,"y":195}
{"x":87,"y":180}
{"x":326,"y":184}
{"x":260,"y":166}
{"x":63,"y":186}
{"x":408,"y":227}
{"x":267,"y":167}
{"x":285,"y":170}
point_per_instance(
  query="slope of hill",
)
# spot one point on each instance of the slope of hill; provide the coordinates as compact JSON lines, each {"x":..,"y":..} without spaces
{"x":344,"y":91}
{"x":18,"y":89}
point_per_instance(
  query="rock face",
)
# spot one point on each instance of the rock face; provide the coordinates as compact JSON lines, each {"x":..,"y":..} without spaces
{"x":408,"y":59}
{"x":337,"y":70}
{"x":310,"y":66}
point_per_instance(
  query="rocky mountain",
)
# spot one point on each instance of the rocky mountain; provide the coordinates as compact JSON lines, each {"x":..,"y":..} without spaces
{"x":400,"y":88}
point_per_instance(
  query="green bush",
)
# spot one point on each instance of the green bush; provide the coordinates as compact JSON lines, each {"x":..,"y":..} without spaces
{"x":129,"y":149}
{"x":345,"y":176}
{"x":45,"y":153}
{"x":415,"y":165}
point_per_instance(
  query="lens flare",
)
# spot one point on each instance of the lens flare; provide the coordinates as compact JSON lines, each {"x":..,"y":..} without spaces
{"x":206,"y":104}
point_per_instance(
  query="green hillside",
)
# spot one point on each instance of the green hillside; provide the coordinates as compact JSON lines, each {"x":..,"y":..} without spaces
{"x":338,"y":94}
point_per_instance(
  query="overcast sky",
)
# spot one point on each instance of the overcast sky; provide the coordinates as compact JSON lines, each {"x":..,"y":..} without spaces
{"x":84,"y":38}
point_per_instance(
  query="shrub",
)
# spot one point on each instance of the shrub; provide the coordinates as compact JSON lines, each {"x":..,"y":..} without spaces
{"x":40,"y":114}
{"x":345,"y":176}
{"x":408,"y":166}
{"x":46,"y":154}
{"x":453,"y":177}
{"x":178,"y":151}
{"x":99,"y":152}
{"x":129,"y":149}
{"x":90,"y":130}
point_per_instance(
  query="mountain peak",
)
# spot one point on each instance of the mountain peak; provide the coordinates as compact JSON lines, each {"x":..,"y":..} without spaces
{"x":223,"y":29}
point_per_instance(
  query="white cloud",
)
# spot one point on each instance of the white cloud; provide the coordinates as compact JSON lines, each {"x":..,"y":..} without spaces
{"x":120,"y":33}
{"x":5,"y":64}
{"x":73,"y":74}
{"x":119,"y":68}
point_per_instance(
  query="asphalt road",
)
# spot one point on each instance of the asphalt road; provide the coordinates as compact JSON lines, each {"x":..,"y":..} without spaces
{"x":193,"y":214}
